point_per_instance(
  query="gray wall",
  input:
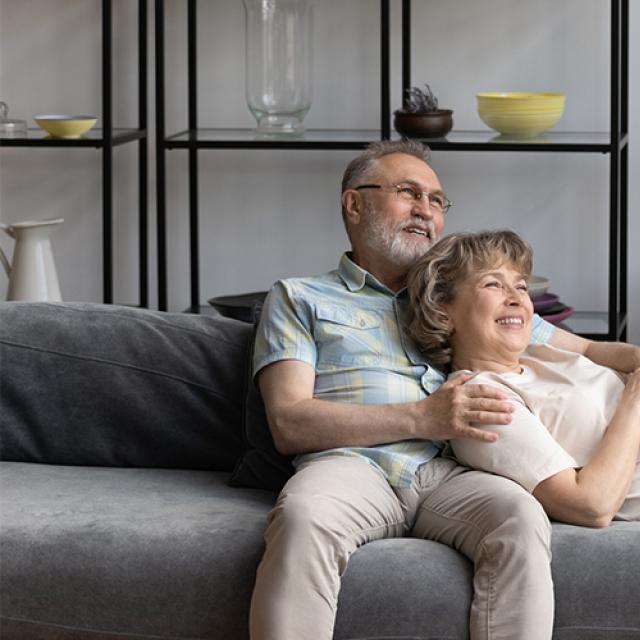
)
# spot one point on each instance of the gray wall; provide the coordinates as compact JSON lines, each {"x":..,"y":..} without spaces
{"x":271,"y":214}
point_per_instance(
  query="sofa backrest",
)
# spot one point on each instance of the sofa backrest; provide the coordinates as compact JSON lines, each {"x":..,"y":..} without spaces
{"x":92,"y":384}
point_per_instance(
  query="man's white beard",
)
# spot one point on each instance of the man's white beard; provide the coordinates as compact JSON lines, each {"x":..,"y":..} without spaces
{"x":390,"y":242}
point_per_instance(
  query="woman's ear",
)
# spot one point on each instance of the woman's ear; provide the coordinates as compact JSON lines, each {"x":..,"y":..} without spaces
{"x":352,"y":206}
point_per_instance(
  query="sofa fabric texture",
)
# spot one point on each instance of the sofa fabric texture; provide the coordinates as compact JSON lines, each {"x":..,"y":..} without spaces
{"x":117,"y":386}
{"x":119,"y":432}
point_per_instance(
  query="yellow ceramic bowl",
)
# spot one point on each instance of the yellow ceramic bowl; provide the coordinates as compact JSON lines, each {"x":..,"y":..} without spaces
{"x":65,"y":126}
{"x":520,"y":114}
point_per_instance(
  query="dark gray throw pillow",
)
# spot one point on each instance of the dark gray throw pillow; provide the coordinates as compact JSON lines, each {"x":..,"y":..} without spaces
{"x":93,"y":384}
{"x":260,"y":466}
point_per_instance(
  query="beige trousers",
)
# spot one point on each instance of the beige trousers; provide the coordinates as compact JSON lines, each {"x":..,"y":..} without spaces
{"x":333,"y":505}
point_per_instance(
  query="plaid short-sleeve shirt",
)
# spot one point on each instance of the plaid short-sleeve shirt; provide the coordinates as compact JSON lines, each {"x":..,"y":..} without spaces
{"x":348,"y":327}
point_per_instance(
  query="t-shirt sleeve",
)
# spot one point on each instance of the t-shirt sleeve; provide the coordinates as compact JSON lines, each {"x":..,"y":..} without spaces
{"x":524,"y":452}
{"x":541,"y":330}
{"x":284,"y":331}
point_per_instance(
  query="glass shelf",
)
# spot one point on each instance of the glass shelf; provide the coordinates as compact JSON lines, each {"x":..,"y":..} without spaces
{"x":594,"y":325}
{"x":356,"y":139}
{"x":248,"y":138}
{"x":93,"y":138}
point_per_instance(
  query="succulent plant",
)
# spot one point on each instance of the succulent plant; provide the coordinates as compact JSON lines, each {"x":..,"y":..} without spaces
{"x":419,"y":101}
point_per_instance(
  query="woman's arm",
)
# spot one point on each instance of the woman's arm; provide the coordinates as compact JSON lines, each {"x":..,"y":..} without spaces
{"x":591,"y":496}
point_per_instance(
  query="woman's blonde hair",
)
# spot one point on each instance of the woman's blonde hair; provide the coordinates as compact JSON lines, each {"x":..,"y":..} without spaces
{"x":434,"y":279}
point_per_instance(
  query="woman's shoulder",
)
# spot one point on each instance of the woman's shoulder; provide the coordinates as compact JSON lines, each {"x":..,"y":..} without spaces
{"x":507,"y":383}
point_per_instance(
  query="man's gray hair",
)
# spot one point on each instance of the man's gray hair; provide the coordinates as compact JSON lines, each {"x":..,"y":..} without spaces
{"x":362,"y":164}
{"x":360,"y":167}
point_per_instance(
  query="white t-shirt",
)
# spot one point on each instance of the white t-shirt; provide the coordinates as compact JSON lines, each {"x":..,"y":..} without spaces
{"x":563,"y":404}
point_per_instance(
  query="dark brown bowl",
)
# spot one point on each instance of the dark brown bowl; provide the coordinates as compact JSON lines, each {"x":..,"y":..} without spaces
{"x":426,"y":124}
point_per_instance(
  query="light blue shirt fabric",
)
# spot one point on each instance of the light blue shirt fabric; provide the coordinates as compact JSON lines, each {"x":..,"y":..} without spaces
{"x":348,"y":327}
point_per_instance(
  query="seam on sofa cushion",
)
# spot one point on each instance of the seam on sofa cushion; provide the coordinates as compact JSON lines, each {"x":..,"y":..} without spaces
{"x":114,"y":363}
{"x":150,"y":319}
{"x":123,"y":634}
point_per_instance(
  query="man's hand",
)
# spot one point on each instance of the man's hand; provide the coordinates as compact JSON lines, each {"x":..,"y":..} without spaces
{"x":454,"y":409}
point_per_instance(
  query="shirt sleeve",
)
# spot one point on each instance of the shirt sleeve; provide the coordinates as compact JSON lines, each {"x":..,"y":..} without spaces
{"x":525,"y":451}
{"x":284,"y":331}
{"x":541,"y":330}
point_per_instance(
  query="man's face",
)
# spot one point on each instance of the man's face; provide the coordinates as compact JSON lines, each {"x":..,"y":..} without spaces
{"x":397,"y":229}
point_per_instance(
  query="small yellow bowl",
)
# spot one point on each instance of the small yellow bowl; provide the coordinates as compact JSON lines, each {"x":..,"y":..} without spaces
{"x":519,"y":113}
{"x":65,"y":126}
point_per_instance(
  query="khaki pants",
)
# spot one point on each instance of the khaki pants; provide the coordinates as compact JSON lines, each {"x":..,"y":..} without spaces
{"x":333,"y":505}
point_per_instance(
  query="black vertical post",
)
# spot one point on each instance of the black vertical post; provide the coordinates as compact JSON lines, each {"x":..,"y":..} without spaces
{"x":385,"y":74}
{"x":406,"y":48}
{"x":624,"y":166}
{"x":193,"y":156}
{"x":107,"y":155}
{"x":143,"y":156}
{"x":614,"y":176}
{"x":161,"y":220}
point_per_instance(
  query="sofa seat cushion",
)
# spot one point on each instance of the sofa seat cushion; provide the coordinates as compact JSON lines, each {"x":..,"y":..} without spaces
{"x":93,"y":553}
{"x":160,"y":553}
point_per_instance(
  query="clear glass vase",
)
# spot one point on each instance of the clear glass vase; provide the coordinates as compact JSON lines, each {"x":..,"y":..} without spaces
{"x":279,"y":63}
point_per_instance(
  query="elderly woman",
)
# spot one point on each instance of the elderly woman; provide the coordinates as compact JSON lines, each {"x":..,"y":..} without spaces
{"x":574,"y":438}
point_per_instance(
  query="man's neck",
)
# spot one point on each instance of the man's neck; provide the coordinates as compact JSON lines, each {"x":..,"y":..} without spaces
{"x":385,"y":272}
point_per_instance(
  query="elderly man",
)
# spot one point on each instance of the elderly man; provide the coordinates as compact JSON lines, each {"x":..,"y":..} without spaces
{"x":348,"y":392}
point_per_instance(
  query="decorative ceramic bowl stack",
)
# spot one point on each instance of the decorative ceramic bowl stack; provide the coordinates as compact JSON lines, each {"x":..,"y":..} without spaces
{"x":547,"y":304}
{"x":523,"y":115}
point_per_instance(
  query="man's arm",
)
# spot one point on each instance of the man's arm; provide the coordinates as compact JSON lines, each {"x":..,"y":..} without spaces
{"x":300,"y":423}
{"x":615,"y":355}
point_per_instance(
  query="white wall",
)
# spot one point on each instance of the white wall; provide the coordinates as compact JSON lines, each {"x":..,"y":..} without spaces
{"x":271,"y":214}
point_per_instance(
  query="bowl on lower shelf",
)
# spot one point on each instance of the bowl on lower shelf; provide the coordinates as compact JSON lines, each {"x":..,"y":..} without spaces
{"x":65,"y":126}
{"x":519,"y":113}
{"x":538,"y":286}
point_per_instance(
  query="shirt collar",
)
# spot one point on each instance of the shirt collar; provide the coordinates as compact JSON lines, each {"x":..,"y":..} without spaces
{"x":355,"y":277}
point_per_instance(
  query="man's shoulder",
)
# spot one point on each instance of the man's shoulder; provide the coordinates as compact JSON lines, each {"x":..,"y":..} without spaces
{"x":309,"y":286}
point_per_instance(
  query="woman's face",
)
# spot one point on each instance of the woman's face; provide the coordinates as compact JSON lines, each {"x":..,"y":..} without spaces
{"x":491,"y":316}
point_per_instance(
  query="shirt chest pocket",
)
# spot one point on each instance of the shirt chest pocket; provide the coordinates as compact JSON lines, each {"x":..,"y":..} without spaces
{"x":347,"y":337}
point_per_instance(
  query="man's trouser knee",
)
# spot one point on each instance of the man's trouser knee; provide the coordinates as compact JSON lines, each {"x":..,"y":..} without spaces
{"x":327,"y":510}
{"x":505,"y":532}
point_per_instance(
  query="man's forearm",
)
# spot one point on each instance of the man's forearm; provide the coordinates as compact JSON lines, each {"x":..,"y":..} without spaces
{"x":301,"y":423}
{"x":616,"y":355}
{"x":317,"y":425}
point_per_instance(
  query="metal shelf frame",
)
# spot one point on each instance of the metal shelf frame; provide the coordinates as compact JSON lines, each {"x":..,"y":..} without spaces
{"x":614,"y":142}
{"x":106,"y":139}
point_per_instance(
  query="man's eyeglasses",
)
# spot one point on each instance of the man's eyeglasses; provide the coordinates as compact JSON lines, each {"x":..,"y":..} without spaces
{"x":437,"y":201}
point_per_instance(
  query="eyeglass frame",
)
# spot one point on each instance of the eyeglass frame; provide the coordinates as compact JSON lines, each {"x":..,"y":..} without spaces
{"x":417,"y":197}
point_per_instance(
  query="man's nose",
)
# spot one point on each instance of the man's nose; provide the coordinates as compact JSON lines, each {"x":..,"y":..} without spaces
{"x":422,"y":209}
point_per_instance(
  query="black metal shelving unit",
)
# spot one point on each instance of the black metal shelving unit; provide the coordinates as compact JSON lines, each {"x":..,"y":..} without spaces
{"x":106,"y":139}
{"x":610,"y":325}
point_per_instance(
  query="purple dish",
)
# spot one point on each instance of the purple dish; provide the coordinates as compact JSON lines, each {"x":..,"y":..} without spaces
{"x":545,"y":301}
{"x":555,"y":318}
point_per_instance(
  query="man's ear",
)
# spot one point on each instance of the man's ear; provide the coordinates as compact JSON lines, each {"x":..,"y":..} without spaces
{"x":352,"y":206}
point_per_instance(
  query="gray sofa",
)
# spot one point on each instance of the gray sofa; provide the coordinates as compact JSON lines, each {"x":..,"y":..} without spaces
{"x":136,"y":474}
